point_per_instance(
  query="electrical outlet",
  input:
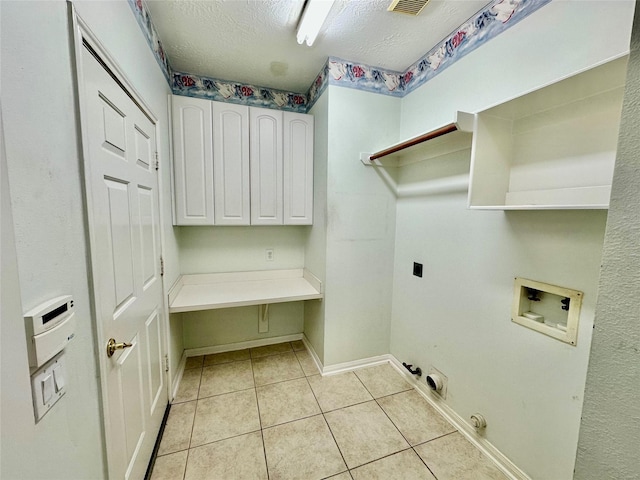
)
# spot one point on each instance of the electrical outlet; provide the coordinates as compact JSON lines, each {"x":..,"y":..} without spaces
{"x":417,"y":269}
{"x":268,"y":255}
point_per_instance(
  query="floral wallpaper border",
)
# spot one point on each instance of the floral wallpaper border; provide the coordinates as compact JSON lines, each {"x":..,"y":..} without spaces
{"x":149,"y":30}
{"x":212,"y":88}
{"x":318,"y":86}
{"x":488,"y":23}
{"x":233,"y":92}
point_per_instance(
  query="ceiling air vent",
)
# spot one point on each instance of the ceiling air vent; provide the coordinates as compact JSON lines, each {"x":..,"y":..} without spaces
{"x":408,"y":7}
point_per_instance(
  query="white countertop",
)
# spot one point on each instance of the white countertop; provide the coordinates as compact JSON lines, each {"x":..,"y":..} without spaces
{"x":238,"y":289}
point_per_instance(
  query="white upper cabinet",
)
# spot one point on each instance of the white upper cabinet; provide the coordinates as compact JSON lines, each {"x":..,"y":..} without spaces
{"x":239,"y":165}
{"x":192,"y":161}
{"x":298,"y":169}
{"x":266,"y":166}
{"x":231,"y":163}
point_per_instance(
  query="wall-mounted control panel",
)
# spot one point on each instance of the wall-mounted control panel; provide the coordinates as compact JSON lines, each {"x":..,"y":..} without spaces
{"x":48,"y":385}
{"x":549,"y":309}
{"x":49,"y":327}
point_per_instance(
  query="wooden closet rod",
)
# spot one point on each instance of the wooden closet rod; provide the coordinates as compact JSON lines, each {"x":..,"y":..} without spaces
{"x":415,"y":141}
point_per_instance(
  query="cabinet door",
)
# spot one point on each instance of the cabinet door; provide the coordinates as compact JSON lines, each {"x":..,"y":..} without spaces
{"x":192,"y":161}
{"x":231,"y":163}
{"x":266,"y":166}
{"x":298,"y":169}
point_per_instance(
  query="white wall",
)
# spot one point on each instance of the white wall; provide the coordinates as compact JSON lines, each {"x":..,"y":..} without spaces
{"x":208,"y":328}
{"x":610,"y":428}
{"x":47,"y":199}
{"x":14,"y":376}
{"x":457,"y":317}
{"x":44,"y":163}
{"x":557,"y":40}
{"x":238,"y":249}
{"x":360,"y":227}
{"x":315,"y":253}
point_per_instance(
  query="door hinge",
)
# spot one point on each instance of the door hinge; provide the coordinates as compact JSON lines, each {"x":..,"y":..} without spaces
{"x":157,"y":164}
{"x":166,"y":362}
{"x":161,"y":266}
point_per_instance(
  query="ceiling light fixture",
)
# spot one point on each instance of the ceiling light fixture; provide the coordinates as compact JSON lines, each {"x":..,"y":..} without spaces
{"x":314,"y":15}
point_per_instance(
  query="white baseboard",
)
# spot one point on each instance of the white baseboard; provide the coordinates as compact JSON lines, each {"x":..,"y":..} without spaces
{"x":312,"y":352}
{"x":356,"y":364}
{"x":505,"y":465}
{"x":343,"y":367}
{"x":230,"y":347}
{"x":178,"y":377}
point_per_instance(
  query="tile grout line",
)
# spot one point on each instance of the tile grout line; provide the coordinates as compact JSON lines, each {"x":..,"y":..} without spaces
{"x":424,"y":462}
{"x":385,"y":456}
{"x":264,"y":453}
{"x":193,"y":423}
{"x":392,"y":422}
{"x":269,"y":427}
{"x":329,"y":427}
{"x":230,"y":391}
{"x":349,"y":406}
{"x":186,"y":462}
{"x":195,"y":412}
{"x":222,"y":440}
{"x":412,"y":447}
{"x":264,"y":447}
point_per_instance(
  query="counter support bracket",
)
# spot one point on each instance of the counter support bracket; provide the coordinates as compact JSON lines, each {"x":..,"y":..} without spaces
{"x":263,"y":318}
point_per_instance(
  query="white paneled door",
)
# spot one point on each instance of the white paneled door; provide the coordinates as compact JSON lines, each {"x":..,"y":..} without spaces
{"x":123,"y":208}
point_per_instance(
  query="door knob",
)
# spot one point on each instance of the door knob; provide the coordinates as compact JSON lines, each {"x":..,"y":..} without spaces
{"x":112,"y":346}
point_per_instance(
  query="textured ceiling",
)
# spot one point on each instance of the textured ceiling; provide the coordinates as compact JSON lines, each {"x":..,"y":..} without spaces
{"x":254,"y":41}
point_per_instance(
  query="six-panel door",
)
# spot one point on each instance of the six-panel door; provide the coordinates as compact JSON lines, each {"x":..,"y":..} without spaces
{"x":124,"y":226}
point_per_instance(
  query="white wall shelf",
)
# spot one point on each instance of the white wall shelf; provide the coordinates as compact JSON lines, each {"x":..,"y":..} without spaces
{"x":448,"y":138}
{"x":553,"y":148}
{"x":239,"y":289}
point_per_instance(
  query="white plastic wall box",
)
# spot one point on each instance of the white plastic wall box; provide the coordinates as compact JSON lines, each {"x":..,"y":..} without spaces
{"x":48,"y":385}
{"x":555,"y":312}
{"x":49,"y":327}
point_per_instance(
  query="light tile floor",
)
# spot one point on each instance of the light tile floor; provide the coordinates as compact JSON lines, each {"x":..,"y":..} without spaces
{"x":266,"y":414}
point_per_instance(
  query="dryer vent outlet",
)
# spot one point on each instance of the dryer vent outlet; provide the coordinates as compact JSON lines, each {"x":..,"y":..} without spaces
{"x":437,"y":382}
